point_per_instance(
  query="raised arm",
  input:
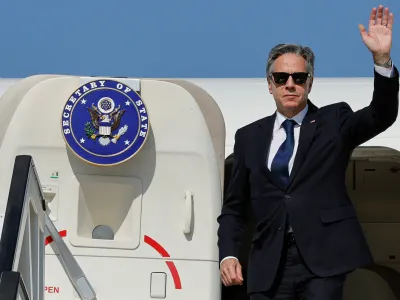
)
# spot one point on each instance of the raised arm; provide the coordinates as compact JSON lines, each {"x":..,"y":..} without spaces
{"x":362,"y":125}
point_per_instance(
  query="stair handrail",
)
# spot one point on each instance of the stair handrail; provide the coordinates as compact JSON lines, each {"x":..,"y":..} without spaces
{"x":21,"y":247}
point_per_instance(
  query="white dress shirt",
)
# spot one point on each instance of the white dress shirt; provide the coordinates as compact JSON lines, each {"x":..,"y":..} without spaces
{"x":279,"y":134}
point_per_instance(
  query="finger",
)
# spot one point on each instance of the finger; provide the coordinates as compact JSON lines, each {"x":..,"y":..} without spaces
{"x":390,"y":21}
{"x":239,"y":272}
{"x":379,"y":15}
{"x":385,"y":16}
{"x":363,"y":31}
{"x":372,"y":17}
{"x":227,"y":277}
{"x":224,"y":279}
{"x":232,"y":274}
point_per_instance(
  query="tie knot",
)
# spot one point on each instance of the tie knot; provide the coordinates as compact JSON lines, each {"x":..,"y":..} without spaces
{"x":288,"y":125}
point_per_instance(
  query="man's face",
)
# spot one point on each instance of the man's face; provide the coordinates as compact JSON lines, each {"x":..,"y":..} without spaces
{"x":291,"y":95}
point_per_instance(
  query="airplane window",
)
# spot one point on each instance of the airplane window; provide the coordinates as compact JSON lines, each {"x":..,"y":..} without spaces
{"x":103,"y":232}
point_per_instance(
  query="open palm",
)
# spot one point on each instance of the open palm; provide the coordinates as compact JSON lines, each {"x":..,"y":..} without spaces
{"x":378,"y":39}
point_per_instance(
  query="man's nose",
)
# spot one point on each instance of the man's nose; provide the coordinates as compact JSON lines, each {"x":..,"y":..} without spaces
{"x":290,"y":83}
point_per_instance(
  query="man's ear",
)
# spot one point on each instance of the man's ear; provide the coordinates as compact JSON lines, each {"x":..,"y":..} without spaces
{"x":269,"y":85}
{"x":310,"y":85}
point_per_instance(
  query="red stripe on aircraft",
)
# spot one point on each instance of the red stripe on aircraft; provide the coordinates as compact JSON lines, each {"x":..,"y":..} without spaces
{"x":160,"y":249}
{"x":49,"y":239}
{"x":175,"y":274}
{"x":170,"y":264}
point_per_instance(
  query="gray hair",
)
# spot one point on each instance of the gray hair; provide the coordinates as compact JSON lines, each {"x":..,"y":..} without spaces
{"x":281,"y":49}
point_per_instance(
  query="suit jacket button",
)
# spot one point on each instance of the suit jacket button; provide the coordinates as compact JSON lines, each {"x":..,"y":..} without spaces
{"x":287,"y":197}
{"x":280,"y":228}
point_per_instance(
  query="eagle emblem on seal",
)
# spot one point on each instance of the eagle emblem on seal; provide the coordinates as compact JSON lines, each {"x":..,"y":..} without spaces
{"x":105,"y":120}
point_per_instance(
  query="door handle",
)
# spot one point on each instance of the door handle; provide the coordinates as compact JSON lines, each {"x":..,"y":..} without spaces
{"x":188,"y":212}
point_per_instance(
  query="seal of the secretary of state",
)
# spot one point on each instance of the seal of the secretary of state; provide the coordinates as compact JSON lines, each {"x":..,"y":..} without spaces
{"x":105,"y":122}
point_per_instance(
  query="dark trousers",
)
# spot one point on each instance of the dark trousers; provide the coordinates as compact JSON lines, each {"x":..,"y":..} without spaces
{"x":295,"y":282}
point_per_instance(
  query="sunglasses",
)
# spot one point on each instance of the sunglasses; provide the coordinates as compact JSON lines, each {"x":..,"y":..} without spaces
{"x":298,"y":77}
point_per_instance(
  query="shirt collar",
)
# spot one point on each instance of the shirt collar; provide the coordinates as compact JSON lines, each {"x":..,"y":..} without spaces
{"x":298,"y":118}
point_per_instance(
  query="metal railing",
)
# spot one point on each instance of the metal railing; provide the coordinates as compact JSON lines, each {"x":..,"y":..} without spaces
{"x":21,"y":245}
{"x":12,"y":286}
{"x":22,"y":252}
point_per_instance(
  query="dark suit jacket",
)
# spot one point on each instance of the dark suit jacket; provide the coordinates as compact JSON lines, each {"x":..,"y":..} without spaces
{"x":323,"y":219}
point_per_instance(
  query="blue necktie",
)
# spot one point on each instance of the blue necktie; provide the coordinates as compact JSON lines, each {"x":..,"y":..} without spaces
{"x":280,"y":164}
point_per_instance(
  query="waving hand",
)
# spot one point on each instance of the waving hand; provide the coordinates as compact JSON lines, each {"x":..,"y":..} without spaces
{"x":378,"y":39}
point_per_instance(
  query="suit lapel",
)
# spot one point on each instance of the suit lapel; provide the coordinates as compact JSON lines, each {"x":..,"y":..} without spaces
{"x":267,"y":128}
{"x":307,"y":131}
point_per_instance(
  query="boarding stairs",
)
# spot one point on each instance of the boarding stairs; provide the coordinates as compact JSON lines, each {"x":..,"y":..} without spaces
{"x":26,"y":223}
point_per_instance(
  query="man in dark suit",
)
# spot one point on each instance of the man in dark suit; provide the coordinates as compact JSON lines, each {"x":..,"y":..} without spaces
{"x":290,"y":168}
